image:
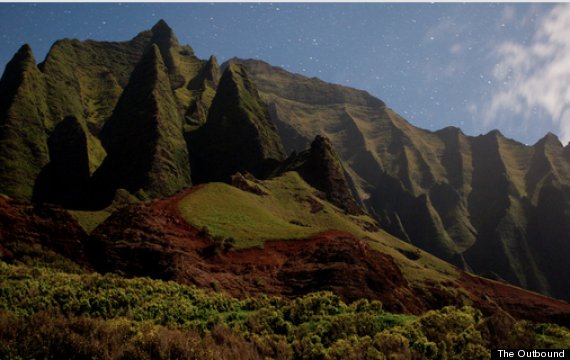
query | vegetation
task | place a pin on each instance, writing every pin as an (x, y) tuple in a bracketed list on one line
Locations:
[(49, 314), (89, 220), (290, 210)]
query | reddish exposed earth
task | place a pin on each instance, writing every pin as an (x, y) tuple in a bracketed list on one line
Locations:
[(152, 239), (26, 229)]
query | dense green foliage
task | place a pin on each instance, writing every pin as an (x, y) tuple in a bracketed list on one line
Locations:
[(46, 313)]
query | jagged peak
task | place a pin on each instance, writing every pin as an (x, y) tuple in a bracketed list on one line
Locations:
[(24, 56), (149, 73), (549, 138), (322, 142), (150, 64), (236, 78), (26, 49), (451, 130), (163, 36), (212, 72), (161, 24), (213, 69), (235, 68), (161, 28), (213, 60), (323, 170), (170, 49), (236, 73), (494, 133)]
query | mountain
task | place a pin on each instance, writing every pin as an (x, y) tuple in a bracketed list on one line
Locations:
[(479, 202), (23, 112), (82, 79), (238, 134), (321, 167), (140, 159), (144, 137)]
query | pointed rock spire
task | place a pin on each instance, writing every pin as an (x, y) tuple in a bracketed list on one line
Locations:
[(204, 85), (165, 39), (143, 138), (25, 56), (239, 134), (321, 167), (23, 148), (163, 36), (212, 72), (549, 139), (23, 61)]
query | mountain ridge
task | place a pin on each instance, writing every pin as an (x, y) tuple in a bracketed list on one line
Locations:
[(460, 197), (461, 186)]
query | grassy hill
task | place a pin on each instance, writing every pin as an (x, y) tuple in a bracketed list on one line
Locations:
[(288, 208)]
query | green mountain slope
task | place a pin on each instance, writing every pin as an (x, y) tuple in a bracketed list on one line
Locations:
[(23, 113)]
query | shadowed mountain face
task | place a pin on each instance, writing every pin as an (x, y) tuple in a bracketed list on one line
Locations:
[(486, 203), (238, 135), (144, 116), (65, 179), (144, 138), (321, 167)]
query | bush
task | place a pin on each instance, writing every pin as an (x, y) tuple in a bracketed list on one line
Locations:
[(49, 314)]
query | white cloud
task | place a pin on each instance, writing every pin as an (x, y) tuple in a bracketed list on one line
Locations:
[(535, 76)]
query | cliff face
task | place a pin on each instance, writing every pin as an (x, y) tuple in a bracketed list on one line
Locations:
[(65, 179), (144, 138), (321, 167), (23, 112), (474, 201), (239, 134)]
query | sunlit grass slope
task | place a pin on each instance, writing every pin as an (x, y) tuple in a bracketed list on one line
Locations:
[(289, 210)]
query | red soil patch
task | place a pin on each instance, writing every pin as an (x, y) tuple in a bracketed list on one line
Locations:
[(24, 226), (332, 260)]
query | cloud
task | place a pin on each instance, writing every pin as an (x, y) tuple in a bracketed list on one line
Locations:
[(534, 78)]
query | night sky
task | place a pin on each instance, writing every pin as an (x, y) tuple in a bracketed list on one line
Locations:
[(474, 66)]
